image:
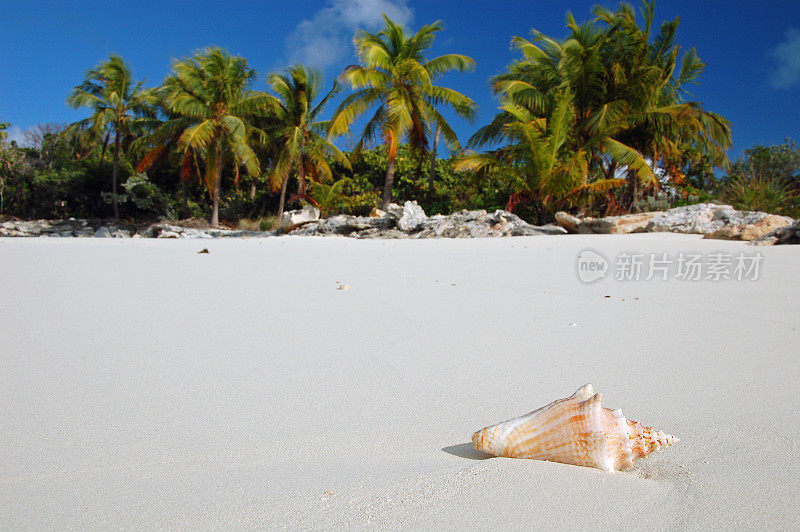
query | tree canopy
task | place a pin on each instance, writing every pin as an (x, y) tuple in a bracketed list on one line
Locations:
[(599, 120), (396, 79), (597, 110)]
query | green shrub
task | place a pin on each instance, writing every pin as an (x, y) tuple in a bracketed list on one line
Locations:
[(767, 195), (265, 223), (144, 195)]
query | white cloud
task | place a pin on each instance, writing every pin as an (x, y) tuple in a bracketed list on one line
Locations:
[(788, 55), (326, 37), (18, 134)]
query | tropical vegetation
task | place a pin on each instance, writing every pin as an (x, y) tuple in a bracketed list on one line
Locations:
[(120, 109), (211, 110), (599, 121), (396, 78), (296, 134), (603, 109)]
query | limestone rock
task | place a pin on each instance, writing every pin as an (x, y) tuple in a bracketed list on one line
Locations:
[(708, 219), (751, 231), (412, 218), (344, 225), (103, 232), (788, 234), (395, 210), (722, 221), (480, 224), (291, 220), (175, 231), (380, 233), (569, 222), (617, 225)]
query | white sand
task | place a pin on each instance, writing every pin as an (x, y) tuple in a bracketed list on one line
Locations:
[(144, 385)]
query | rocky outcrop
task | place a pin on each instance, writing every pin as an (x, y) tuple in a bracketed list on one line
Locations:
[(395, 210), (412, 218), (480, 224), (717, 221), (71, 227), (291, 220), (167, 230), (410, 221), (344, 225), (753, 230), (708, 219), (788, 234), (569, 222), (618, 225)]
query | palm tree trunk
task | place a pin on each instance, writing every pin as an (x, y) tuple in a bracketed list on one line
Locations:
[(301, 177), (633, 191), (253, 189), (387, 186), (217, 186), (281, 204), (434, 154), (105, 146), (184, 198), (114, 176)]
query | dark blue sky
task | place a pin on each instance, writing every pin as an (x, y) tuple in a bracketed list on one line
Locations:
[(752, 48)]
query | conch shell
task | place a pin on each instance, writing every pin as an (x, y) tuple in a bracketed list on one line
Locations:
[(577, 431)]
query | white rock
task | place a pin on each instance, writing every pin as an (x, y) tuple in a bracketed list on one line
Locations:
[(395, 210), (412, 218), (293, 219)]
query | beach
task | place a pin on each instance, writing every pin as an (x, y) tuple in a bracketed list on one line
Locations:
[(305, 382)]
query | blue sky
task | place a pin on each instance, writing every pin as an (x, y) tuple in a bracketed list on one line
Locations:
[(752, 48)]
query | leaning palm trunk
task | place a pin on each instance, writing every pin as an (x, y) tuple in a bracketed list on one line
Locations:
[(281, 205), (434, 154), (387, 186), (114, 174), (105, 147), (217, 185), (634, 192), (301, 178)]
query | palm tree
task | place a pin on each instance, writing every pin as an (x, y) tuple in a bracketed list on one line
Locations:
[(396, 77), (615, 83), (295, 133), (540, 153), (661, 123), (547, 98), (120, 107), (211, 112)]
